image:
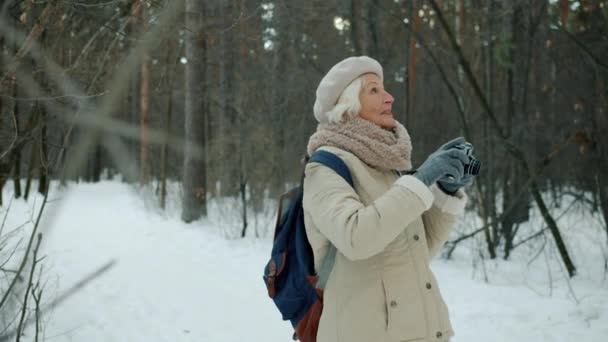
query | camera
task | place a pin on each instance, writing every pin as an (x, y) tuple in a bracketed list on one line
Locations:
[(474, 165)]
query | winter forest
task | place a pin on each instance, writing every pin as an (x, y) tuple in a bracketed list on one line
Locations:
[(144, 145)]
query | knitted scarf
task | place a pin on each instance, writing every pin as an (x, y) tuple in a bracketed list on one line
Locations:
[(379, 148)]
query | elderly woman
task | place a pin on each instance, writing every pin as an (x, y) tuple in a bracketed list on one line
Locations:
[(387, 228)]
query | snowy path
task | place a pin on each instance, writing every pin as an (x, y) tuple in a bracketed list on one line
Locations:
[(176, 282)]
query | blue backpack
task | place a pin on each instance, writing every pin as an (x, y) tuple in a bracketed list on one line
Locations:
[(290, 274)]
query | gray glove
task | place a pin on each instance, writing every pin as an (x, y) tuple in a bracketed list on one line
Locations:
[(442, 163), (451, 185), (452, 143)]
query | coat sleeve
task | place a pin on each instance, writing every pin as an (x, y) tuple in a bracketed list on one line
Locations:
[(439, 220), (359, 231)]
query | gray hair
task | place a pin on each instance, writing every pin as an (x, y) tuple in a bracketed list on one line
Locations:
[(348, 105)]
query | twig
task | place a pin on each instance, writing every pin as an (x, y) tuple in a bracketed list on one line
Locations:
[(10, 322), (37, 300), (12, 144), (46, 15), (27, 251), (545, 228), (101, 4), (566, 276), (483, 267), (85, 49), (12, 253), (420, 39), (8, 208), (512, 148), (28, 289), (7, 270), (467, 69), (542, 247), (583, 47), (535, 235), (549, 271), (65, 295), (52, 98)]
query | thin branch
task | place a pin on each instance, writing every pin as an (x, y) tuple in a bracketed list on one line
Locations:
[(14, 142), (47, 14), (101, 4), (467, 69), (10, 256), (581, 45), (524, 188), (512, 148), (540, 250), (65, 295), (53, 98), (37, 298), (533, 236), (20, 326), (27, 251), (545, 228), (7, 270), (8, 209)]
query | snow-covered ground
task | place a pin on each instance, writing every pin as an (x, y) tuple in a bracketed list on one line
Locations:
[(172, 281)]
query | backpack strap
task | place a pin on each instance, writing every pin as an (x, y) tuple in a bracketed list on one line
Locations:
[(335, 163)]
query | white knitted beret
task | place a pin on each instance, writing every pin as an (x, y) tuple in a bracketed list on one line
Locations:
[(338, 78)]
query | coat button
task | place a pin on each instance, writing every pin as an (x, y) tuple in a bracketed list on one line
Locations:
[(428, 286), (439, 334), (416, 237), (393, 304)]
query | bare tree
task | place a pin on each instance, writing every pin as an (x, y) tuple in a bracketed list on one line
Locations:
[(194, 187)]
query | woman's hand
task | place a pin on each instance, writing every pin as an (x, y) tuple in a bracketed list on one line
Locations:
[(451, 185), (443, 163), (452, 143)]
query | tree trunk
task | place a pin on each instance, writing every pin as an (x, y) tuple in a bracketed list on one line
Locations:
[(411, 66), (241, 102), (48, 14), (16, 152), (34, 157), (144, 104), (600, 152), (17, 172), (372, 28), (243, 191), (43, 160), (194, 200), (224, 72), (2, 113), (488, 177), (96, 164), (359, 29), (603, 194), (134, 28), (409, 38), (279, 96), (512, 149), (30, 172), (561, 247), (165, 147)]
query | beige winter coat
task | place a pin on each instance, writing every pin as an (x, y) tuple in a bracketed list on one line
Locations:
[(386, 230)]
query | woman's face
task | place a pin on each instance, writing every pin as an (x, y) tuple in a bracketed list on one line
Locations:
[(376, 103)]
